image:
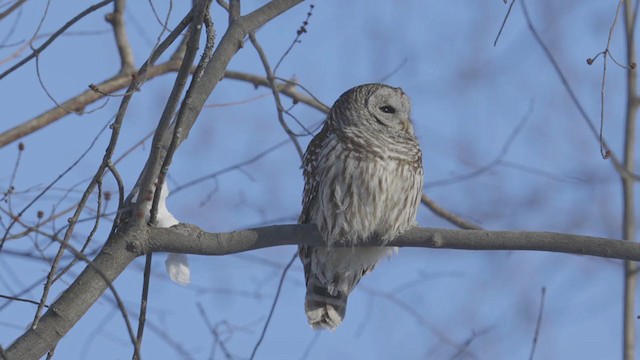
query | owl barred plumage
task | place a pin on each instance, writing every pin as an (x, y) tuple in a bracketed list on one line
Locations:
[(363, 179)]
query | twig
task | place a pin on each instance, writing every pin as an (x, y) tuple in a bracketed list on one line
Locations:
[(11, 30), (504, 22), (394, 71), (73, 165), (85, 197), (239, 102), (273, 305), (605, 54), (79, 102), (447, 215), (55, 35), (157, 16), (213, 331), (538, 323), (296, 40), (616, 163), (490, 165), (11, 187), (120, 183), (96, 224), (40, 23), (49, 95), (310, 346), (142, 316), (286, 89), (15, 298), (276, 94), (229, 168), (417, 316), (467, 343)]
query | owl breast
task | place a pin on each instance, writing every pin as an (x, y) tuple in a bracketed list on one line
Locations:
[(361, 196)]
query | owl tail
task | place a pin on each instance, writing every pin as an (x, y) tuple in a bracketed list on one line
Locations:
[(325, 310)]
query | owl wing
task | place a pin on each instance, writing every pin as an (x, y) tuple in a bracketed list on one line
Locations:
[(311, 185)]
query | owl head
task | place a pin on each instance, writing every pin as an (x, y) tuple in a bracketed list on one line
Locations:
[(375, 107)]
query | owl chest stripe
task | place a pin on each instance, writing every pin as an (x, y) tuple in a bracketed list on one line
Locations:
[(361, 197)]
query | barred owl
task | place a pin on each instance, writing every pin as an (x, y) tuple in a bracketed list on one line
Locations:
[(363, 179)]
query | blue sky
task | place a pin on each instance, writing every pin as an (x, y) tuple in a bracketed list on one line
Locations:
[(468, 96)]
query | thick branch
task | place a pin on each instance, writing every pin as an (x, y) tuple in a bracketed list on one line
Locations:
[(190, 239), (230, 43), (70, 307)]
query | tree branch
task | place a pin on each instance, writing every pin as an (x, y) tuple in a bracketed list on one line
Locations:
[(11, 8), (628, 184), (116, 19), (189, 239), (96, 92), (230, 43), (55, 35), (285, 88)]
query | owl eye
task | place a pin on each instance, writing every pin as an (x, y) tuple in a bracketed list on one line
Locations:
[(388, 109)]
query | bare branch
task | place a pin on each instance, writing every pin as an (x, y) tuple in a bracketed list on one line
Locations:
[(79, 102), (121, 81), (296, 40), (142, 317), (11, 9), (628, 191), (159, 153), (19, 299), (490, 165), (116, 19), (55, 35), (276, 94), (286, 89), (614, 159), (447, 215), (273, 305), (213, 331), (228, 46), (189, 239), (605, 54), (504, 21), (538, 324)]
